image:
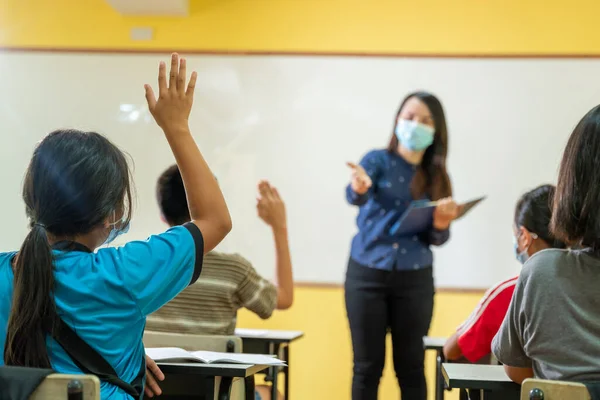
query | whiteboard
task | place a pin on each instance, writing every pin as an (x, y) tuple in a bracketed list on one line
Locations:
[(296, 120)]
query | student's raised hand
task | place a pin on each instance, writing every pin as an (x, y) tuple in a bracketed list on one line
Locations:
[(361, 181), (153, 374), (172, 109), (270, 206), (445, 212)]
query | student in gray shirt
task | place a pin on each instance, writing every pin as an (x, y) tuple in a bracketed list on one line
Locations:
[(552, 328)]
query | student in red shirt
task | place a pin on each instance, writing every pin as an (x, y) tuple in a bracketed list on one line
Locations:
[(473, 339)]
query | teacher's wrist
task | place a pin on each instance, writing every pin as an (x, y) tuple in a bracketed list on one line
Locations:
[(441, 226)]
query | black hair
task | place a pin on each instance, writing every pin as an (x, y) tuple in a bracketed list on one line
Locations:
[(171, 197), (534, 212), (431, 177), (74, 183), (576, 218)]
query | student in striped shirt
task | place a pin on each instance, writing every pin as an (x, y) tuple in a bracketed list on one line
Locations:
[(473, 339), (228, 281)]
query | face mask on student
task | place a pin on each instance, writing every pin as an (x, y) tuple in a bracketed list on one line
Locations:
[(116, 232), (413, 135), (522, 256)]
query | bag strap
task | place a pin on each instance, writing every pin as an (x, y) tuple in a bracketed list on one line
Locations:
[(88, 360)]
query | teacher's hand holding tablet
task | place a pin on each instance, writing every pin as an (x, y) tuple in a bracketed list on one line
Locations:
[(445, 212), (361, 181)]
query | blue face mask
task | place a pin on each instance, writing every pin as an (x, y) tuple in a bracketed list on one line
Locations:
[(115, 233), (413, 135), (522, 256)]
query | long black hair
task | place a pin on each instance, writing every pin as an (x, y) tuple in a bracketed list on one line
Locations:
[(534, 212), (576, 218), (431, 177), (74, 183)]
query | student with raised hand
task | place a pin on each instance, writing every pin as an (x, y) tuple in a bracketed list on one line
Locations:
[(531, 230), (552, 326), (228, 281), (59, 297)]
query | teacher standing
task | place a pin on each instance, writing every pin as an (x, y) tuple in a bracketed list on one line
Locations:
[(389, 282)]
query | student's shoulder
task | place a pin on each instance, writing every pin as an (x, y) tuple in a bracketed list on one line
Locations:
[(232, 260), (6, 271), (6, 259), (543, 265), (502, 287)]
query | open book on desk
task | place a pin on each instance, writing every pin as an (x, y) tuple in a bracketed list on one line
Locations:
[(418, 215), (175, 354)]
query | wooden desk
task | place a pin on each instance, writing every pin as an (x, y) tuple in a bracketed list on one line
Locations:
[(437, 344), (490, 380), (198, 381), (262, 341)]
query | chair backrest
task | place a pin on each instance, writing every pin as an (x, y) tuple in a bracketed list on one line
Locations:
[(59, 387), (538, 389), (229, 344)]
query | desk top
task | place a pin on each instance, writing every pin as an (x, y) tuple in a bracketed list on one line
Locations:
[(228, 370), (476, 376), (433, 342), (268, 335)]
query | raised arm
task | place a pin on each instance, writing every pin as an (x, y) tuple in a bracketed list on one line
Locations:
[(271, 209), (171, 111)]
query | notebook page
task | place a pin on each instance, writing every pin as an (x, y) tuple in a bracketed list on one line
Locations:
[(237, 358)]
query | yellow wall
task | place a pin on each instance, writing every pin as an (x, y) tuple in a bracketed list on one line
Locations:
[(321, 362), (372, 26)]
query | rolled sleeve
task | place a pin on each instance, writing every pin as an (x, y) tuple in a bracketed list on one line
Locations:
[(438, 238)]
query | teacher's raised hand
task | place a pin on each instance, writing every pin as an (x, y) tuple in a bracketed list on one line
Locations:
[(361, 181), (445, 212)]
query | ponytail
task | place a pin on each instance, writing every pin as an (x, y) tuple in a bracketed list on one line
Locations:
[(33, 310)]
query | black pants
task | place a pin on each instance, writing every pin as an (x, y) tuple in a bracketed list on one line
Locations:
[(400, 302)]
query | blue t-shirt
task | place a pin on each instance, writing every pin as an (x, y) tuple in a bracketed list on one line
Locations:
[(105, 296), (388, 198)]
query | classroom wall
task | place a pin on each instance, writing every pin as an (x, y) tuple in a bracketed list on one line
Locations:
[(352, 26), (322, 360)]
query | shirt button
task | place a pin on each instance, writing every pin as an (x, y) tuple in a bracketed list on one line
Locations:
[(415, 238), (403, 251), (395, 245), (401, 179), (398, 202), (416, 266)]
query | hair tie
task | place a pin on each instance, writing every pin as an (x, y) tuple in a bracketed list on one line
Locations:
[(40, 225)]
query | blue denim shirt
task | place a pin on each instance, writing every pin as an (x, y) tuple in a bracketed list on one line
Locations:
[(374, 246)]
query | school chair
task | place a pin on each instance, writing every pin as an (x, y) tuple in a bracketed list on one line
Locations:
[(68, 387), (540, 389), (241, 390), (44, 384)]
